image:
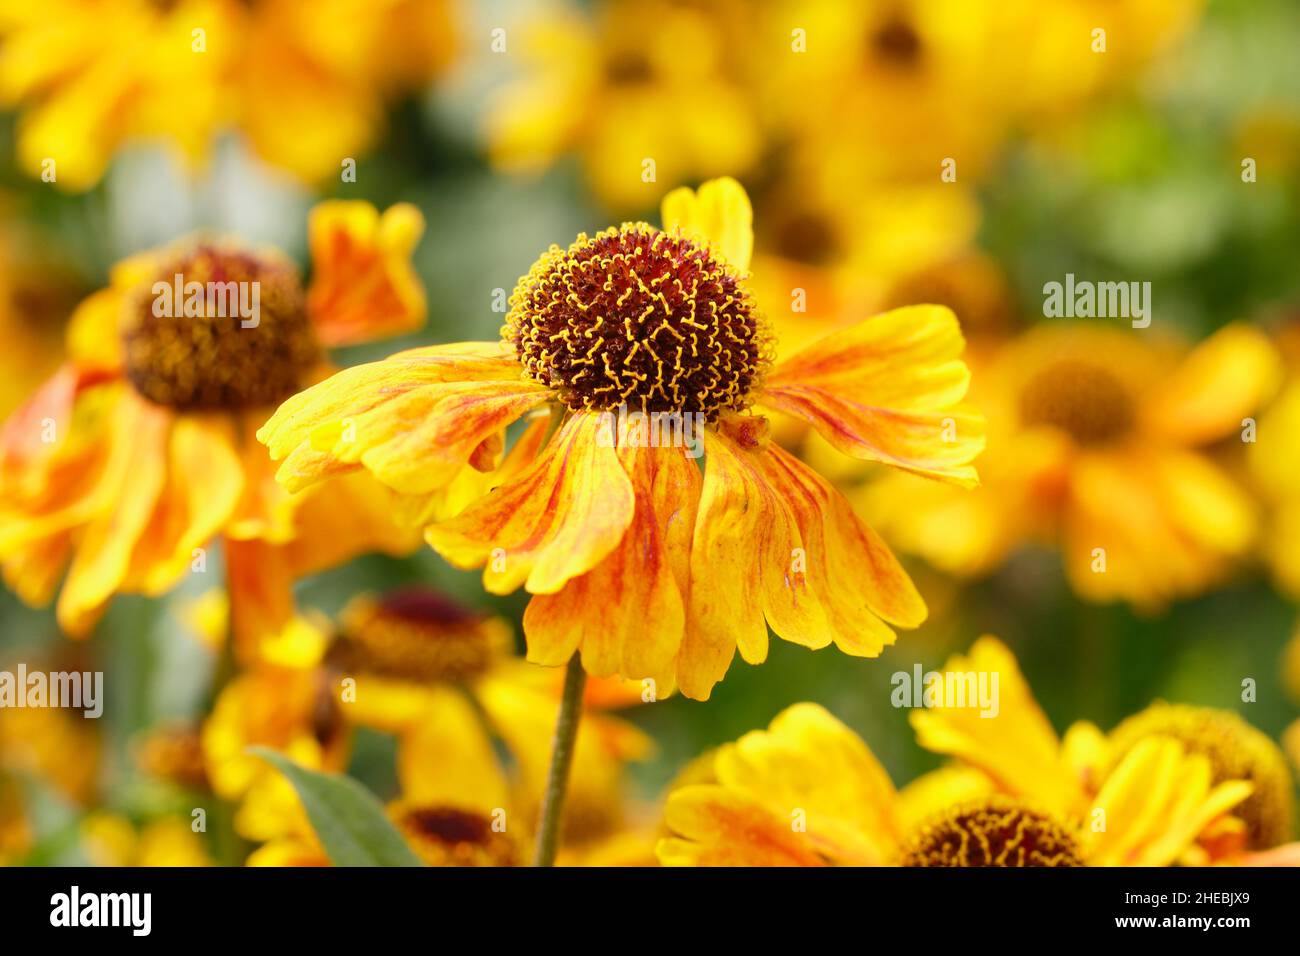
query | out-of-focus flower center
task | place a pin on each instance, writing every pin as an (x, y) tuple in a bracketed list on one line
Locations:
[(641, 317), (992, 831), (449, 836), (419, 636), (219, 328), (896, 42), (1236, 751), (1085, 400)]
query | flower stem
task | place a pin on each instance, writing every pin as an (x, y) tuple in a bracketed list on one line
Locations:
[(566, 733)]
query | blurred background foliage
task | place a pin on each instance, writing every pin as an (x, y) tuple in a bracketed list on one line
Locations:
[(1139, 179)]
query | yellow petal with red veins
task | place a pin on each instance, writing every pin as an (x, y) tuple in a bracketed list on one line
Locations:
[(556, 521), (886, 389), (363, 285), (720, 213), (810, 769), (1223, 380), (1015, 745), (604, 613), (414, 419), (716, 827)]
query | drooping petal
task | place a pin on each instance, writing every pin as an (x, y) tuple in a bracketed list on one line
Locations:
[(447, 757), (363, 285), (203, 483), (627, 615), (887, 389), (718, 212), (556, 521), (132, 480)]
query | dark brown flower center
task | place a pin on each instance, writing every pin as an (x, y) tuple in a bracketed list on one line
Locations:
[(641, 317), (993, 831), (219, 328), (1085, 400), (896, 42), (448, 836)]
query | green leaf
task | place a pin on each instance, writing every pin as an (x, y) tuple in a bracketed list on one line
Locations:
[(347, 818)]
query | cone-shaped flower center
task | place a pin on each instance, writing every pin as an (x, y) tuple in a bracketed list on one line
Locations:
[(638, 317), (993, 831), (1236, 751), (219, 328), (1083, 399), (417, 635)]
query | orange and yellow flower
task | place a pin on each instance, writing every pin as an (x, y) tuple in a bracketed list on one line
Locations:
[(612, 531), (1099, 446), (92, 76), (138, 452)]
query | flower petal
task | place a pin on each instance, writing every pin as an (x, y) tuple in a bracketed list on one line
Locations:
[(886, 389), (716, 827), (1016, 746), (604, 612), (556, 521), (720, 213), (363, 285)]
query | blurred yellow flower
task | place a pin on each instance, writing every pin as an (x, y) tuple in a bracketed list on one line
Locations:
[(1096, 446), (110, 839), (306, 83), (138, 452), (634, 83), (1274, 461), (609, 532)]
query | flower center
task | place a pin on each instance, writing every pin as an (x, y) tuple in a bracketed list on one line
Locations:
[(640, 317), (896, 42), (1086, 401), (1236, 751), (448, 836), (219, 328), (418, 635), (992, 831)]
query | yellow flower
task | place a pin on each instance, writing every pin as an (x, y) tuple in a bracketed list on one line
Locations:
[(138, 453), (652, 81), (1096, 448), (306, 83), (1273, 461), (809, 792), (608, 531), (1161, 781)]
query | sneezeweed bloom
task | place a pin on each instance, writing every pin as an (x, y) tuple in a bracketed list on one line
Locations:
[(647, 567), (138, 453), (1101, 447), (1202, 772), (809, 792), (306, 91), (648, 81)]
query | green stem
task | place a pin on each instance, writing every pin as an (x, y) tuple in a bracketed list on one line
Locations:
[(566, 734)]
